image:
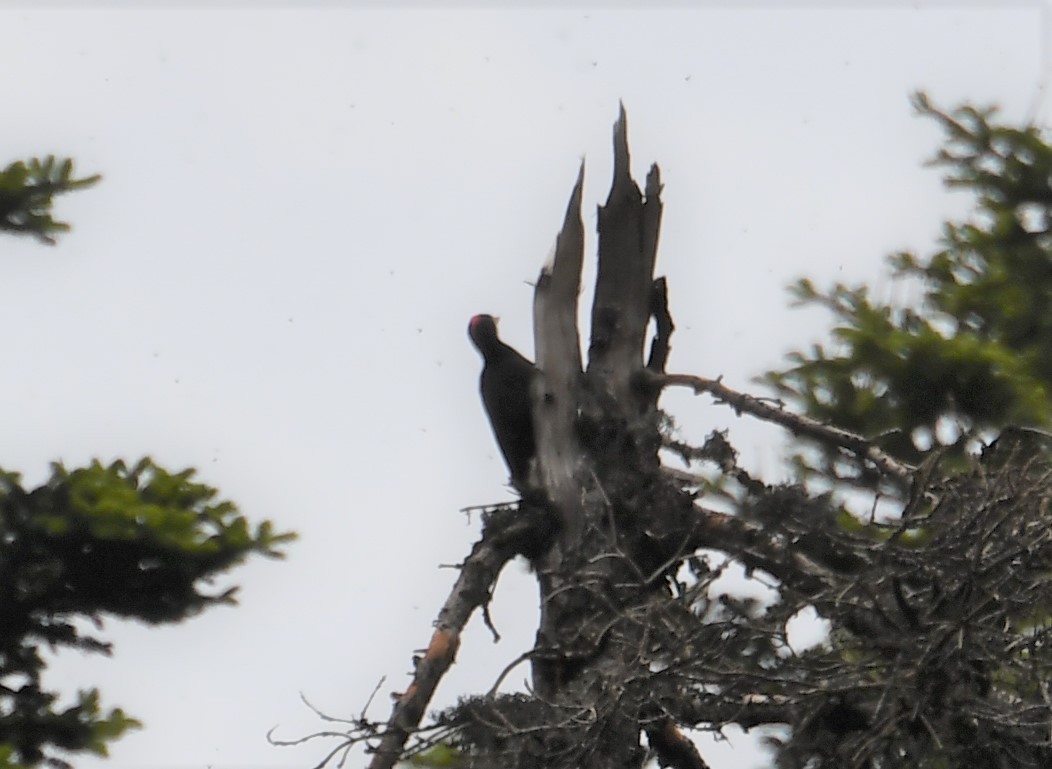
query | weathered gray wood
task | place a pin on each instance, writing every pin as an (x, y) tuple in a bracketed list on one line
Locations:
[(596, 464), (558, 357), (628, 238)]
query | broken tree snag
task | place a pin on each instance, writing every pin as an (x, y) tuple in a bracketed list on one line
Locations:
[(556, 399), (628, 238), (601, 578), (652, 209), (558, 357)]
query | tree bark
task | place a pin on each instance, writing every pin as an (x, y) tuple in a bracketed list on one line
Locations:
[(558, 358), (628, 236), (597, 465)]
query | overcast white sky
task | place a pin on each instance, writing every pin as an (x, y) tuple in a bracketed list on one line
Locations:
[(300, 212)]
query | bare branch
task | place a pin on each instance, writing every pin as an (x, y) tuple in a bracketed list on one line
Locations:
[(659, 346), (478, 573), (798, 424), (673, 748)]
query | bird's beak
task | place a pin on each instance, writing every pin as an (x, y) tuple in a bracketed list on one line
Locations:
[(496, 319)]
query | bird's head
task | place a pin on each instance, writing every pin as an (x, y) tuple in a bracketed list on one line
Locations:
[(483, 331)]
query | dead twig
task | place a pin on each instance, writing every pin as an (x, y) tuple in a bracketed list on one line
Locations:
[(798, 424), (472, 589)]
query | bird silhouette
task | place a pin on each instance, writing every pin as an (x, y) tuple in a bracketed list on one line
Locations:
[(505, 388)]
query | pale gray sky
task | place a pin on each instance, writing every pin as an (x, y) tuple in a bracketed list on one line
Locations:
[(301, 210)]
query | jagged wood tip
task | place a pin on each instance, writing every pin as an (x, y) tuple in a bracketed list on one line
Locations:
[(573, 207), (622, 158), (654, 186)]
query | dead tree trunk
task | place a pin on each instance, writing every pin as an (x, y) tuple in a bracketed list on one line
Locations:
[(940, 618), (624, 650), (618, 653), (618, 527), (597, 463)]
